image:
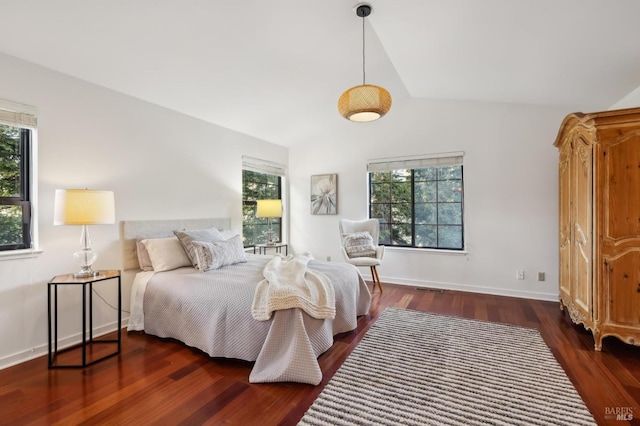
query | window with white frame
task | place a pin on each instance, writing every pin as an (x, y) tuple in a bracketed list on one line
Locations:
[(17, 128), (261, 180), (419, 201)]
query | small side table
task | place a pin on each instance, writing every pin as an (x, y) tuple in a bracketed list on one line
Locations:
[(87, 288), (262, 248)]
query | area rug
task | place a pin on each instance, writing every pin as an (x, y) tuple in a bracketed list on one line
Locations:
[(416, 368)]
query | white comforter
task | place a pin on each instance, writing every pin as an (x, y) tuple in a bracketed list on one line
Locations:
[(212, 312)]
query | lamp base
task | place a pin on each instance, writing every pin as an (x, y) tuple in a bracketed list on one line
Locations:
[(86, 256), (86, 273), (270, 237)]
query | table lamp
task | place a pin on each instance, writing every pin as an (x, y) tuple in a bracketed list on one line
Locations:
[(269, 209), (84, 207)]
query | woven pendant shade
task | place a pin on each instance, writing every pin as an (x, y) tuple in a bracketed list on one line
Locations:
[(364, 103)]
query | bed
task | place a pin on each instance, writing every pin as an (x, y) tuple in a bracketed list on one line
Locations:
[(212, 310)]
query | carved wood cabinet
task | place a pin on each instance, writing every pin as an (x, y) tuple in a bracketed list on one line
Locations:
[(599, 203)]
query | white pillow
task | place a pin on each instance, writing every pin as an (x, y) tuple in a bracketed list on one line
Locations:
[(229, 233), (166, 253), (222, 253)]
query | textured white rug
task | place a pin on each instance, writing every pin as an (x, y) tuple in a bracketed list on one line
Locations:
[(415, 368)]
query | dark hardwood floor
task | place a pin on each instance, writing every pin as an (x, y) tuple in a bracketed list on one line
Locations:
[(155, 381)]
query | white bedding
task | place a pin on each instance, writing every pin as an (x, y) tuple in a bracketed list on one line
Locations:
[(136, 317), (212, 312), (289, 283)]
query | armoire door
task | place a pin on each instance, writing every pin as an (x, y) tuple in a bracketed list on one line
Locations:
[(620, 223), (565, 220), (582, 241)]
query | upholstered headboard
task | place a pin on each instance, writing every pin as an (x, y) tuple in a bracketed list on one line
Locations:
[(130, 230)]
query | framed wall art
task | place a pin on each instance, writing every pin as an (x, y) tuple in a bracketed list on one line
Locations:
[(324, 194)]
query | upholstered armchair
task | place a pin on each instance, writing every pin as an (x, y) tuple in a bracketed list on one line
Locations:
[(360, 245)]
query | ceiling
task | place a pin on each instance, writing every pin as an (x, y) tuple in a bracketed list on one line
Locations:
[(275, 69)]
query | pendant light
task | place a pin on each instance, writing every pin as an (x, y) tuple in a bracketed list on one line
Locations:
[(365, 102)]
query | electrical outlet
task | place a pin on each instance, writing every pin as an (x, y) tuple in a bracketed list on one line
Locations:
[(541, 276), (520, 274)]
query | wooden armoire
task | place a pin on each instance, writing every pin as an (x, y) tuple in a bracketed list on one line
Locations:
[(600, 222)]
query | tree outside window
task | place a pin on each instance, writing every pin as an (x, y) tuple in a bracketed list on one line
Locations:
[(419, 207), (15, 207), (258, 186)]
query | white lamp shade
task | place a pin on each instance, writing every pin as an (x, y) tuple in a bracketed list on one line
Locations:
[(83, 207), (269, 208)]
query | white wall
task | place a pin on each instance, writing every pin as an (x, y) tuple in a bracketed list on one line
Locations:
[(160, 164), (632, 100), (510, 182)]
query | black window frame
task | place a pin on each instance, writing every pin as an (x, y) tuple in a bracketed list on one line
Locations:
[(23, 199), (249, 206), (387, 228)]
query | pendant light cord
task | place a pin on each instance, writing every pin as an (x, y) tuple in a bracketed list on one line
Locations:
[(363, 71)]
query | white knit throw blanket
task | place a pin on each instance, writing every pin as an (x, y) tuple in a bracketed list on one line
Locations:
[(290, 284)]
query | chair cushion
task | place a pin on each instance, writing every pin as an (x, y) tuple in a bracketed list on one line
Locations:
[(359, 244), (364, 261)]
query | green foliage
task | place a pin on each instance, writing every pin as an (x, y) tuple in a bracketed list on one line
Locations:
[(10, 215), (9, 161), (10, 225), (419, 207), (258, 186)]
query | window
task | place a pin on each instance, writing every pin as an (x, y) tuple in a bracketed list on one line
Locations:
[(261, 180), (16, 128), (419, 201)]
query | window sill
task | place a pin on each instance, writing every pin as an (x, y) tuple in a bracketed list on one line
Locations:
[(428, 250), (19, 254)]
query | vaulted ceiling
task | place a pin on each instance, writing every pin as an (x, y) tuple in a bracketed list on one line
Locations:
[(275, 69)]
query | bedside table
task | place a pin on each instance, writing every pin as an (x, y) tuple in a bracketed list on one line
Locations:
[(262, 248), (86, 285)]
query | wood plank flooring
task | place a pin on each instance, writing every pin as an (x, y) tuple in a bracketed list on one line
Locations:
[(156, 381)]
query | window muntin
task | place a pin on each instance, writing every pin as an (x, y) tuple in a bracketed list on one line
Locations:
[(259, 186), (15, 203), (419, 207)]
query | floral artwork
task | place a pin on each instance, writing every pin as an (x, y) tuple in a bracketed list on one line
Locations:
[(324, 194)]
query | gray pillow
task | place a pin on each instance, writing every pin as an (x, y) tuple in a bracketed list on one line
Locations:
[(216, 255), (209, 235), (359, 244), (143, 255)]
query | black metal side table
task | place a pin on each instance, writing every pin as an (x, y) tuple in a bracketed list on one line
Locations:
[(87, 305)]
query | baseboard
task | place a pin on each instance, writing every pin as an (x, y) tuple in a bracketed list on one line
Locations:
[(43, 350), (470, 289)]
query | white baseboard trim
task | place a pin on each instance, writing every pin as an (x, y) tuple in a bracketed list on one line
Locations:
[(43, 350), (470, 289)]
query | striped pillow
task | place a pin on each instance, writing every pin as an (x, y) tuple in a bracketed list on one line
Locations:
[(208, 235), (221, 253), (359, 244)]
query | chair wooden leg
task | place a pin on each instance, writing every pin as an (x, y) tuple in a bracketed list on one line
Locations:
[(373, 278), (376, 278)]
